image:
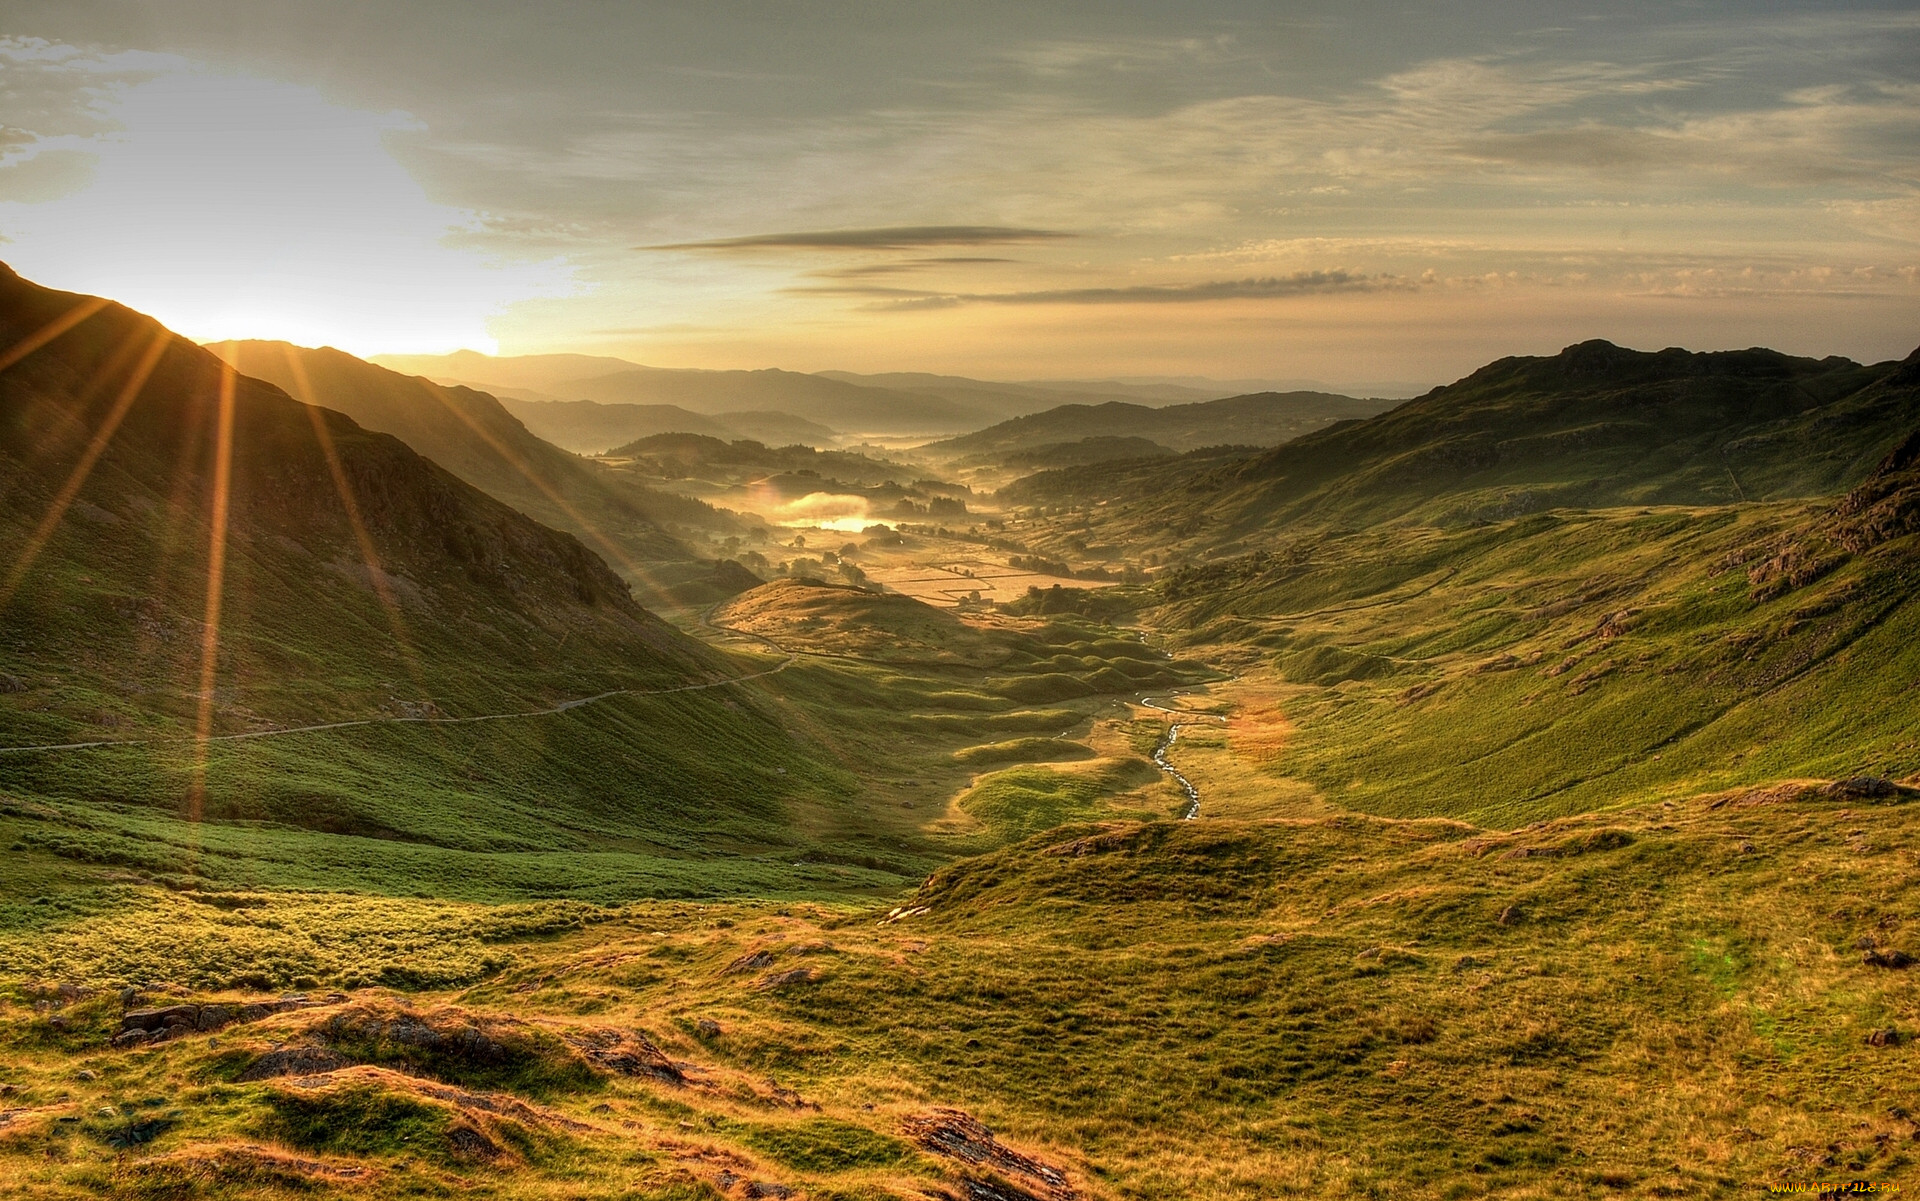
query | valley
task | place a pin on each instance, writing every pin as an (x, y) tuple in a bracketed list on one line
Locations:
[(1506, 793)]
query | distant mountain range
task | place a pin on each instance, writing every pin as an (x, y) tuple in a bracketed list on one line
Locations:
[(588, 427), (1263, 419), (745, 403)]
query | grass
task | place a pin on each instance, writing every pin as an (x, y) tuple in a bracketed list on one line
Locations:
[(1349, 1006)]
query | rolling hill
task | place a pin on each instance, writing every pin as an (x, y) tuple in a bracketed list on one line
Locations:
[(819, 399)]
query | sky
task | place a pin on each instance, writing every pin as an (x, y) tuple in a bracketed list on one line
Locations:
[(1352, 192)]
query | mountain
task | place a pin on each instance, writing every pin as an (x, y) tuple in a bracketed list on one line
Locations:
[(474, 436), (1595, 425), (404, 678), (589, 427), (997, 401), (1261, 419)]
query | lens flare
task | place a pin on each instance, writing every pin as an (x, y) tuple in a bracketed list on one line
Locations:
[(219, 508)]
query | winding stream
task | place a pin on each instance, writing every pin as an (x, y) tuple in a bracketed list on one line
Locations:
[(1166, 744)]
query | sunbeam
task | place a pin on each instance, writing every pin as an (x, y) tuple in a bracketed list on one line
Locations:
[(218, 509), (81, 470), (51, 330)]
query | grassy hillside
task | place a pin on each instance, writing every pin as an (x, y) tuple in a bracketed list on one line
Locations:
[(1593, 426), (1560, 849), (472, 435), (1659, 1003)]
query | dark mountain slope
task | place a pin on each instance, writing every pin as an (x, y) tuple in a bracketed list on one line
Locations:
[(1262, 419), (356, 580), (472, 435)]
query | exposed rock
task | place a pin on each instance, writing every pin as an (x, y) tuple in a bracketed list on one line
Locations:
[(173, 1021), (957, 1135), (799, 975), (1888, 1037), (991, 1190), (708, 1028), (626, 1053), (1509, 915), (469, 1143), (1887, 958), (1861, 788), (757, 1188), (752, 961), (293, 1061)]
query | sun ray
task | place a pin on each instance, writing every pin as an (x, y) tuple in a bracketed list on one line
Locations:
[(69, 423), (218, 509), (51, 330), (81, 470)]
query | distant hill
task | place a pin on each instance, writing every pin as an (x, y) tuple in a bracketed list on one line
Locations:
[(820, 399), (830, 402), (475, 436), (1263, 419), (589, 427), (1106, 449), (997, 400), (532, 372)]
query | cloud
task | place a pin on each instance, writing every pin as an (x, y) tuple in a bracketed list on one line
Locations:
[(1300, 283), (895, 237), (904, 266)]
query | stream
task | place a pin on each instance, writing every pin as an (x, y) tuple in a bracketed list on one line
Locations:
[(1166, 744)]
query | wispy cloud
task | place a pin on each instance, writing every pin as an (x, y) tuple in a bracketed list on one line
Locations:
[(894, 237), (1301, 283)]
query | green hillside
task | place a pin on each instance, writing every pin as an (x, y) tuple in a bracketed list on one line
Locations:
[(1593, 426)]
